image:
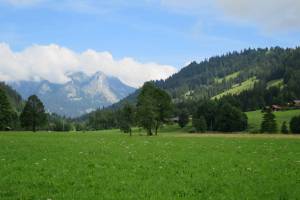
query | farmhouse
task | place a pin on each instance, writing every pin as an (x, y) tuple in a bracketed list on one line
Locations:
[(276, 108), (296, 103)]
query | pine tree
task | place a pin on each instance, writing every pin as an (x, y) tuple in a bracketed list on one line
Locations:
[(268, 124), (7, 115), (33, 114), (284, 128)]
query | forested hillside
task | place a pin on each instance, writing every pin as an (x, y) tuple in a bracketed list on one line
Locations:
[(221, 73), (14, 98), (256, 77)]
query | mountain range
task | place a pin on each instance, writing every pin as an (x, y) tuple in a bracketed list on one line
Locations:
[(80, 95)]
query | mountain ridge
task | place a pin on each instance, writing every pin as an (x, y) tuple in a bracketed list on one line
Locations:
[(80, 95)]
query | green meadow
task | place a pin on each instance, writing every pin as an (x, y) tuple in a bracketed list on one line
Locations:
[(112, 165)]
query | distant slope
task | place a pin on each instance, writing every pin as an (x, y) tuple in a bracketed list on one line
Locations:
[(219, 74), (255, 118)]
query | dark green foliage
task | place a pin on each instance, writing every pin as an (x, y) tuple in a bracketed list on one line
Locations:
[(199, 123), (221, 116), (127, 116), (153, 107), (208, 109), (14, 98), (268, 124), (146, 116), (8, 117), (230, 119), (102, 119), (183, 118), (79, 126), (284, 128), (295, 125), (59, 124), (33, 115)]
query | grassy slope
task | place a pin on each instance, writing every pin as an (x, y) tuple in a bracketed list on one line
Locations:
[(255, 118), (115, 166), (228, 77), (236, 89), (275, 83)]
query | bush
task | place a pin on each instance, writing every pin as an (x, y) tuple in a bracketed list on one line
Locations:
[(295, 125)]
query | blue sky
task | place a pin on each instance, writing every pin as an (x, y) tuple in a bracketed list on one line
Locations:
[(168, 32)]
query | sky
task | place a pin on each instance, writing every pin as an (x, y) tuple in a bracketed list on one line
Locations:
[(134, 40)]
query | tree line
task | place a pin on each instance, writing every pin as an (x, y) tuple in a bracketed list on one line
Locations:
[(269, 124), (32, 117), (154, 108)]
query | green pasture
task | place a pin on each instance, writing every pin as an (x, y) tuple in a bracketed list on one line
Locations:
[(112, 165)]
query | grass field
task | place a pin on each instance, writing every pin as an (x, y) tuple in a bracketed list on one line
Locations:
[(110, 165), (255, 118)]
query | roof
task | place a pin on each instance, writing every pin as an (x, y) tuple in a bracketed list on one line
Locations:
[(275, 106)]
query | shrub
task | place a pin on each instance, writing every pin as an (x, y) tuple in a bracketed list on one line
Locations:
[(295, 125)]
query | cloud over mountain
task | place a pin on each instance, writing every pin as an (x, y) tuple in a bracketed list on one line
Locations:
[(52, 62)]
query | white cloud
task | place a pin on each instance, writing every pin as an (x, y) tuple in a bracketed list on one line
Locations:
[(269, 14), (52, 62)]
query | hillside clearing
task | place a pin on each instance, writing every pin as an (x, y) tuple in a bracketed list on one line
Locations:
[(228, 77), (275, 83), (238, 88)]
